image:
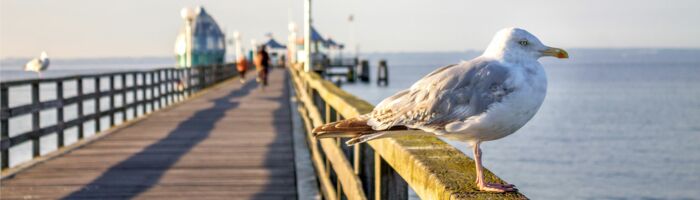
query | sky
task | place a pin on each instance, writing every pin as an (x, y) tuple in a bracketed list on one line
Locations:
[(137, 28)]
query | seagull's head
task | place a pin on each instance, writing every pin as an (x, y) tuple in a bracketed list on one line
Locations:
[(516, 44), (44, 56)]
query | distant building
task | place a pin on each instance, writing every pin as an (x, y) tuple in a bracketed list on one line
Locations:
[(201, 41)]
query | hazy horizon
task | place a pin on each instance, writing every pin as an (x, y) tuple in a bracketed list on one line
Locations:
[(467, 52), (88, 29)]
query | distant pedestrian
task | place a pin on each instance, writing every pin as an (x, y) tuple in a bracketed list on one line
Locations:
[(282, 62), (242, 67), (262, 65)]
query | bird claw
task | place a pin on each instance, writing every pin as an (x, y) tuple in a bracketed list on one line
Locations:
[(496, 187)]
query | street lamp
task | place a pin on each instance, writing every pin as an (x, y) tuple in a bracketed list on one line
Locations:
[(307, 36), (188, 15), (292, 43), (237, 44)]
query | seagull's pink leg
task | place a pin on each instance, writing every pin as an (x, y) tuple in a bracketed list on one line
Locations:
[(483, 186)]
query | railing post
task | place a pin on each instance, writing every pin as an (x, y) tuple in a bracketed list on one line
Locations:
[(201, 74), (135, 98), (111, 101), (164, 83), (159, 85), (97, 104), (214, 76), (185, 76), (189, 81), (152, 86), (124, 106), (5, 122), (59, 113), (219, 72), (182, 76), (367, 170), (79, 105), (222, 72), (176, 79), (36, 145), (172, 82), (180, 91), (144, 88), (388, 184), (156, 88), (168, 86)]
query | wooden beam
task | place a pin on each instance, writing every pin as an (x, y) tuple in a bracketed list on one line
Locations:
[(36, 141)]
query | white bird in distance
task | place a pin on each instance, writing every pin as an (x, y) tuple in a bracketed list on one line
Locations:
[(38, 64)]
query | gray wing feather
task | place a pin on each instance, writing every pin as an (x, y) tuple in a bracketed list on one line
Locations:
[(451, 93)]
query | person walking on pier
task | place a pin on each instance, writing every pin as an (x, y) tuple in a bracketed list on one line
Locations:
[(262, 65), (241, 66)]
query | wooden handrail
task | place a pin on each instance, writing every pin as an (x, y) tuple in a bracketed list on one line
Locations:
[(158, 89), (384, 168)]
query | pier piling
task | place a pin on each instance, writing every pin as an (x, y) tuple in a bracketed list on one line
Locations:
[(382, 73)]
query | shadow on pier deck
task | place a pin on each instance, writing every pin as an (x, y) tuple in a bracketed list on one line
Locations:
[(234, 141)]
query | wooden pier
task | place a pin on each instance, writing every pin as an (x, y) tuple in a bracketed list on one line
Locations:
[(219, 139), (232, 141)]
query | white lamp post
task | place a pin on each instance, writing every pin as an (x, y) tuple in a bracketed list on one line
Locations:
[(237, 44), (307, 35), (254, 45), (188, 15), (291, 43)]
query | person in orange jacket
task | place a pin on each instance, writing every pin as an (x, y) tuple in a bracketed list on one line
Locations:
[(242, 67)]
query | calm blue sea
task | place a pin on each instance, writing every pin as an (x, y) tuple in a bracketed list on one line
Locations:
[(616, 123)]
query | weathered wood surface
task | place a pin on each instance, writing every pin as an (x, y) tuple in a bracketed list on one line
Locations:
[(233, 142)]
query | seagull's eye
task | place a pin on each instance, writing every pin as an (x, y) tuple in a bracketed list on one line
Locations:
[(523, 43)]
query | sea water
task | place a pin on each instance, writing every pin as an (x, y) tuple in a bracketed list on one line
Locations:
[(615, 124)]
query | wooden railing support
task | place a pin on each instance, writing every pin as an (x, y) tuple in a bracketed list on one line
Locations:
[(97, 112), (5, 129), (36, 113), (124, 102), (59, 114), (79, 107), (111, 101)]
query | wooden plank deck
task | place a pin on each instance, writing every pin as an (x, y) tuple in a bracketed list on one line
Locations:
[(232, 142)]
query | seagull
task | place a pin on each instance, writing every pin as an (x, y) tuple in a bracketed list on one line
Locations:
[(483, 99), (38, 64)]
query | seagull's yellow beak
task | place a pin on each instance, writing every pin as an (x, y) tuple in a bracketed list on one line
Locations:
[(555, 52)]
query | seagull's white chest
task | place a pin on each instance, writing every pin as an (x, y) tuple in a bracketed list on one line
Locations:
[(513, 111)]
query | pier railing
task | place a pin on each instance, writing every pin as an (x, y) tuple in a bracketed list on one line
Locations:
[(385, 168), (128, 95)]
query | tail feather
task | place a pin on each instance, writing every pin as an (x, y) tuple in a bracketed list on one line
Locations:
[(355, 128)]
